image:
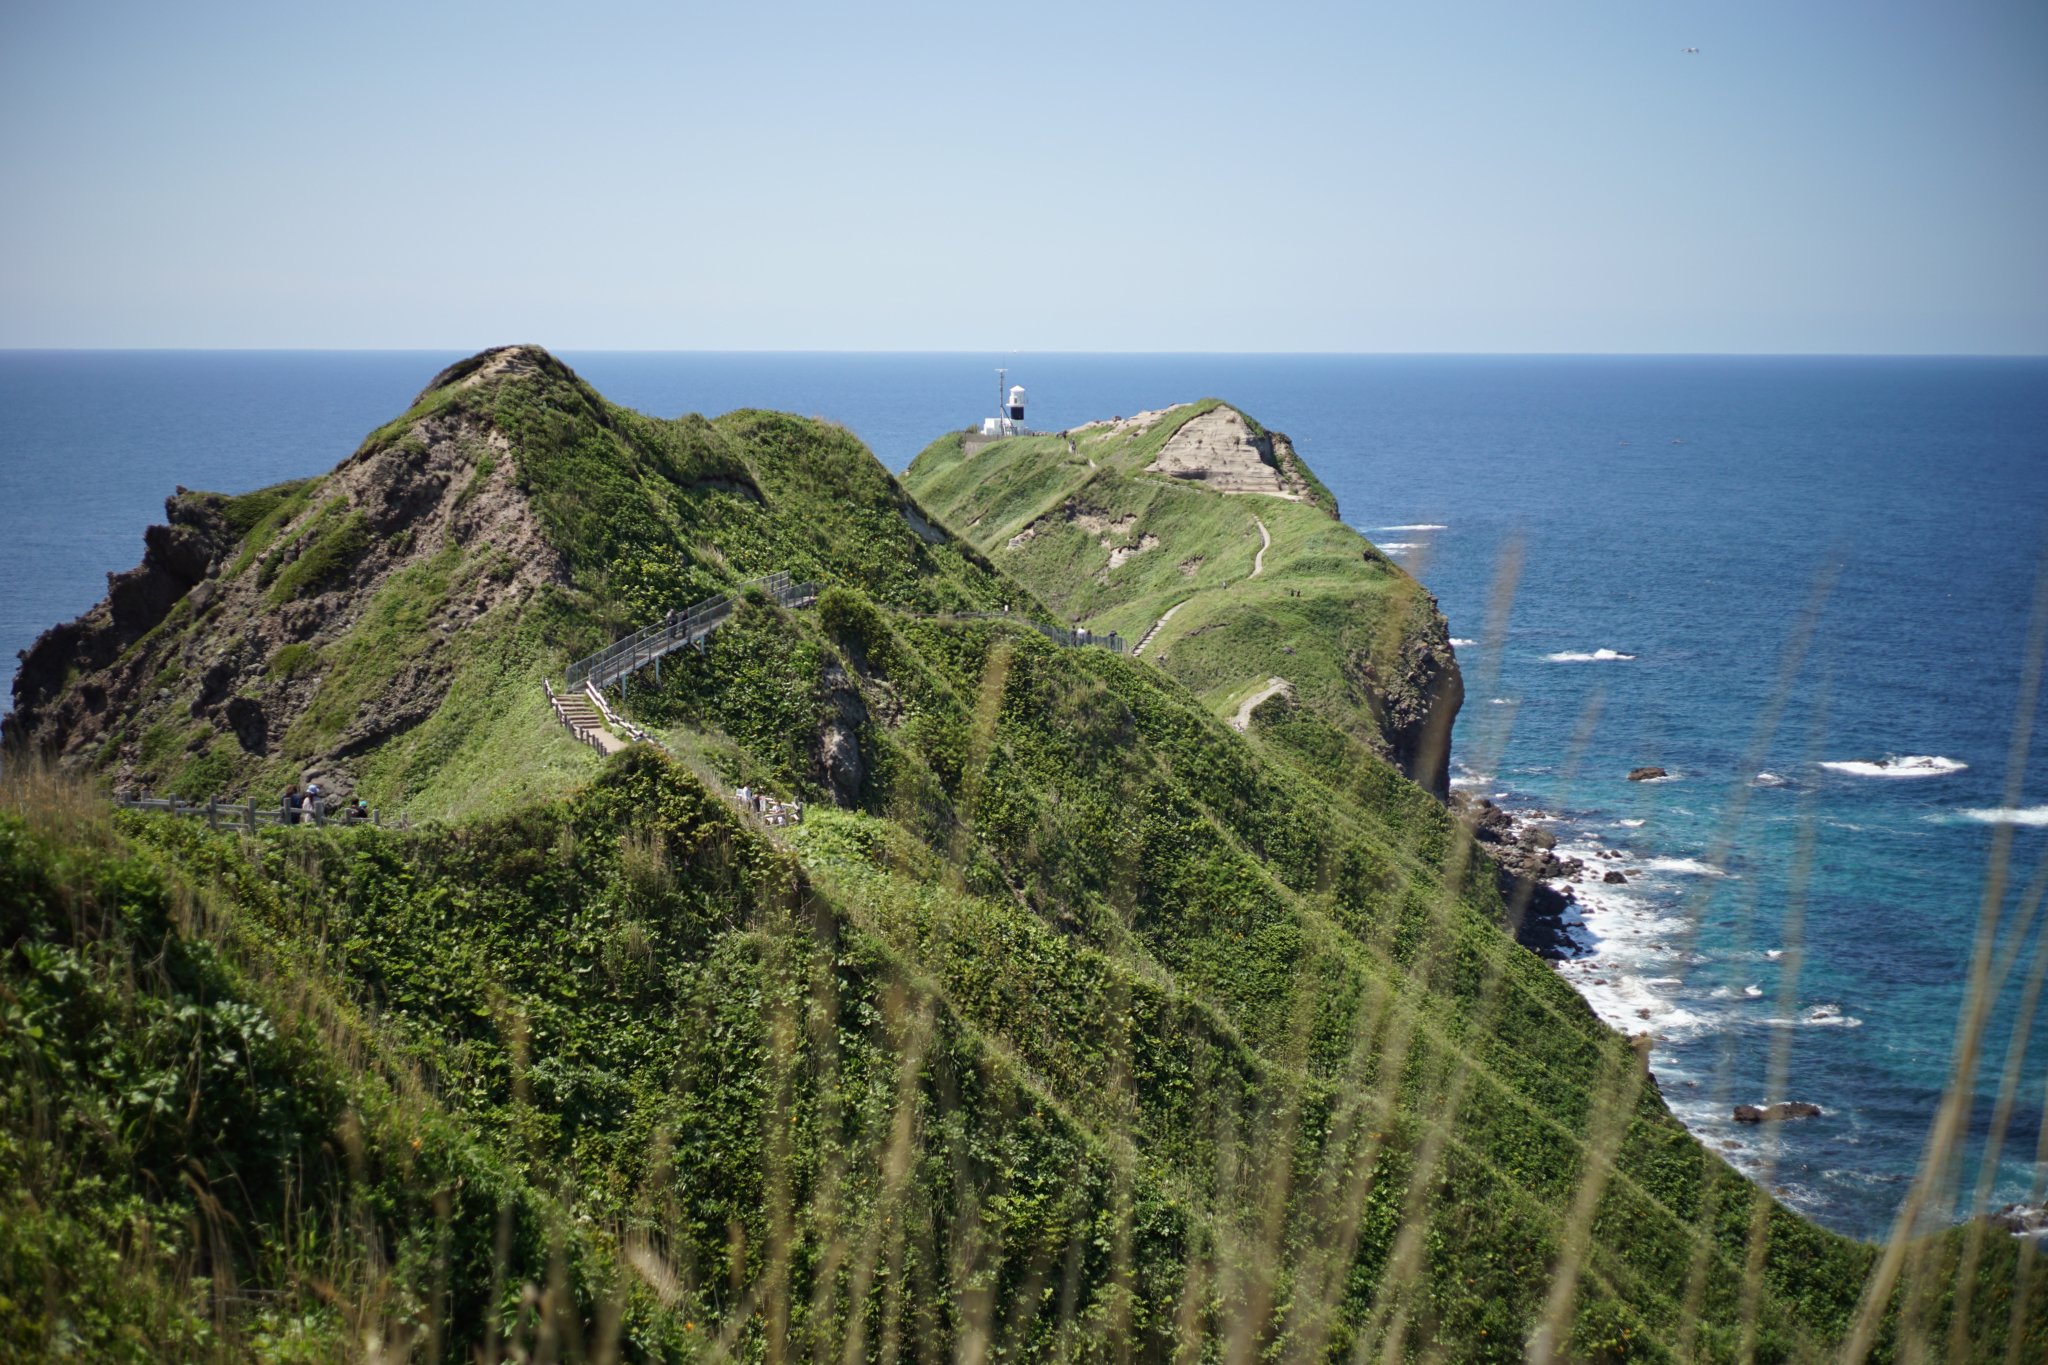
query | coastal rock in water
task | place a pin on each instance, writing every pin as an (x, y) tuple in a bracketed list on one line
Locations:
[(2021, 1220), (1536, 912), (1775, 1113), (1645, 774), (1615, 877)]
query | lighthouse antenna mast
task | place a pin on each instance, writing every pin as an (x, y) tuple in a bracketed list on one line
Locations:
[(1000, 410)]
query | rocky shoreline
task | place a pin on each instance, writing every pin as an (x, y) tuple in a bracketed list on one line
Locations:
[(1539, 913)]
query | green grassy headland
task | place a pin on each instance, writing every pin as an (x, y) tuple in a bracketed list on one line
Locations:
[(1086, 1028)]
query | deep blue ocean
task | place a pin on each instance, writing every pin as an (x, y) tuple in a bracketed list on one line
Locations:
[(1671, 517)]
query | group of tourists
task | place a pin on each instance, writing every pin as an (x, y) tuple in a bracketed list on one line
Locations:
[(312, 806), (777, 813)]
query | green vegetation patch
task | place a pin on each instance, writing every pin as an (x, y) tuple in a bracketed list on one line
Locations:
[(246, 511), (326, 553), (486, 465), (269, 513), (159, 745), (207, 774), (292, 660)]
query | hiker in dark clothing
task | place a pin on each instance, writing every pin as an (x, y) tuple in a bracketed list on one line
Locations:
[(290, 803)]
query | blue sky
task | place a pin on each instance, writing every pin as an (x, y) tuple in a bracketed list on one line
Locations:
[(1472, 175)]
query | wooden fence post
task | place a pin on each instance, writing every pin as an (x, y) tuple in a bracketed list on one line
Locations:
[(252, 814), (213, 812)]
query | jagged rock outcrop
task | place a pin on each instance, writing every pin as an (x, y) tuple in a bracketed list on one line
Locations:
[(1523, 853), (245, 607), (839, 761), (63, 682), (1776, 1113), (1414, 701)]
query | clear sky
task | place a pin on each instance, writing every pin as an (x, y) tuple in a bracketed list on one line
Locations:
[(1462, 175)]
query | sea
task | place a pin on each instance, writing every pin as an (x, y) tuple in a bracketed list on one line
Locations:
[(1801, 586)]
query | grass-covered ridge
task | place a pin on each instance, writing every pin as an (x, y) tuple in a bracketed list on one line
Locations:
[(386, 626), (1072, 1024), (1079, 520)]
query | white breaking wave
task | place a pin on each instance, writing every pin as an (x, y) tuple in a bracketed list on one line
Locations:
[(1910, 765), (1752, 991), (1820, 1016), (1769, 780), (1418, 526), (1631, 824), (1689, 865), (1399, 545), (1456, 643), (2009, 815), (1598, 656)]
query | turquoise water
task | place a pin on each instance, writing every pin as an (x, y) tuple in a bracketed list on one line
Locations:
[(1675, 511)]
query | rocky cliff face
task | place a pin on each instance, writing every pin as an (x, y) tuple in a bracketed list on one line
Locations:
[(218, 656), (1414, 697), (64, 682)]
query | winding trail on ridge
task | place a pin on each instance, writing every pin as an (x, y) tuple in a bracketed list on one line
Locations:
[(1243, 719), (1258, 567), (1139, 648)]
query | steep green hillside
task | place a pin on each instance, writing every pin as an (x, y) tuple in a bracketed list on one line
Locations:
[(385, 627), (1090, 522), (1072, 1023)]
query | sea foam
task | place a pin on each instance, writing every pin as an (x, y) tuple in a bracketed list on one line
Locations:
[(1418, 526), (1456, 643), (1598, 656), (1693, 866), (2009, 815), (1909, 765)]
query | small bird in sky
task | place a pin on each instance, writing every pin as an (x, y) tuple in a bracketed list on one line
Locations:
[(1692, 49)]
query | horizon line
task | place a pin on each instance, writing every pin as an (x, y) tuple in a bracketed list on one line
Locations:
[(971, 351)]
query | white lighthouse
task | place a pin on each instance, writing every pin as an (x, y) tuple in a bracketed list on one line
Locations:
[(1009, 420)]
